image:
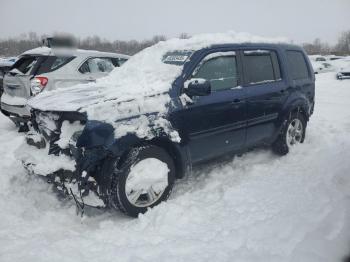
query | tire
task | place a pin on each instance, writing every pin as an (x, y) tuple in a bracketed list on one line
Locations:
[(283, 142), (126, 176)]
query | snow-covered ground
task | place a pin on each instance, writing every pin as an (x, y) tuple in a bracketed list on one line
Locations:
[(258, 207)]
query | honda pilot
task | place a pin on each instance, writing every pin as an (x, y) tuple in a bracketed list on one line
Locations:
[(123, 141)]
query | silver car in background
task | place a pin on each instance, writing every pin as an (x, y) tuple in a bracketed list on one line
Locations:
[(45, 68), (5, 65), (343, 73)]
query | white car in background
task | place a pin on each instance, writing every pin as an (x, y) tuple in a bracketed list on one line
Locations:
[(45, 68), (334, 57), (344, 73), (7, 61), (320, 64), (322, 67), (317, 58), (5, 64)]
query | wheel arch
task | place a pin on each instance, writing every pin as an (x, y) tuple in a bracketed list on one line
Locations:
[(123, 146), (296, 105), (175, 151)]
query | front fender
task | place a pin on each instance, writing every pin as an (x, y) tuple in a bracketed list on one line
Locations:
[(96, 134)]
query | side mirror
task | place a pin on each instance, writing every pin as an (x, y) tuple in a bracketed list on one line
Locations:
[(197, 87)]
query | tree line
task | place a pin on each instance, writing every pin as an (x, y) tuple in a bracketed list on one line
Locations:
[(342, 47), (16, 45)]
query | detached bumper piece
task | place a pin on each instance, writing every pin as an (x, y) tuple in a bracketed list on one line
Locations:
[(68, 184), (70, 170)]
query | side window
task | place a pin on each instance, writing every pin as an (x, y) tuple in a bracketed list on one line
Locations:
[(220, 69), (115, 62), (100, 65), (97, 65), (261, 66), (59, 62), (297, 65), (118, 61), (84, 69), (122, 61)]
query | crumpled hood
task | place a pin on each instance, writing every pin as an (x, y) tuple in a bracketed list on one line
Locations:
[(69, 99)]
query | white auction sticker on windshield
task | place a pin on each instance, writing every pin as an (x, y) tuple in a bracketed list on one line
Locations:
[(176, 58)]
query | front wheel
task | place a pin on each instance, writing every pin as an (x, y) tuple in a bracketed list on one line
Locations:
[(292, 134), (143, 180)]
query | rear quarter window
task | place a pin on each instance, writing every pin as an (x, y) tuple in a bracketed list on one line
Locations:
[(297, 65)]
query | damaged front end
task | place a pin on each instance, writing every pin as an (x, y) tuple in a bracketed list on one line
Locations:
[(62, 148)]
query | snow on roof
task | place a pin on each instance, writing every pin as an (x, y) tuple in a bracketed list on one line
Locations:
[(70, 51), (142, 76)]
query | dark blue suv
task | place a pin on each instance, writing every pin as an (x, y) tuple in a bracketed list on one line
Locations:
[(225, 99)]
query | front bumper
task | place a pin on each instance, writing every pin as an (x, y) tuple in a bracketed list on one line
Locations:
[(62, 171)]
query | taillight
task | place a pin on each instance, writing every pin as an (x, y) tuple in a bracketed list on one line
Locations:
[(37, 84)]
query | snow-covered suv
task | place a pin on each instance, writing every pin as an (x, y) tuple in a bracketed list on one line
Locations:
[(47, 69), (124, 140)]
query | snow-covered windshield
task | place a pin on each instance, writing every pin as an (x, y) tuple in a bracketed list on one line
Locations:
[(178, 57)]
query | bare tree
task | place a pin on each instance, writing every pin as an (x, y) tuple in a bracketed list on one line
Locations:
[(17, 45), (343, 45), (184, 36), (317, 47)]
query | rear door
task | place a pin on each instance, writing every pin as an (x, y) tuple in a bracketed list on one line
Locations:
[(266, 92), (215, 124)]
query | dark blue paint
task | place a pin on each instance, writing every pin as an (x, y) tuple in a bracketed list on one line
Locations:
[(225, 121)]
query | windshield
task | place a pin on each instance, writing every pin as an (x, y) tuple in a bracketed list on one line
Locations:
[(177, 57)]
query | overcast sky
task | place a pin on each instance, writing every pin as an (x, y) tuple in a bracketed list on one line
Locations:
[(298, 20)]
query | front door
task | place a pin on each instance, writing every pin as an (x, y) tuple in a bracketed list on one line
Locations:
[(215, 124)]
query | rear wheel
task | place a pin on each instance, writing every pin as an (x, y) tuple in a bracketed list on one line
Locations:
[(143, 180), (292, 134)]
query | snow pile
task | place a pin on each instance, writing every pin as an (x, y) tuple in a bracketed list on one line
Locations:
[(148, 174), (341, 64), (259, 207), (140, 86), (67, 131), (13, 100), (44, 163), (142, 75)]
